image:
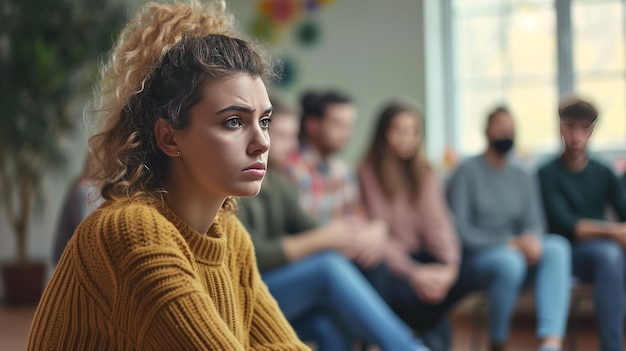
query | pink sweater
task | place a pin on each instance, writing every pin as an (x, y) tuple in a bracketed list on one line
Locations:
[(425, 226)]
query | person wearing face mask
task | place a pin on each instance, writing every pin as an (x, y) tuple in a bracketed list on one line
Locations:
[(577, 189), (498, 218)]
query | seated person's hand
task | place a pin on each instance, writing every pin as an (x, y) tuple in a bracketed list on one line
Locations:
[(620, 234), (368, 246), (531, 247), (432, 281), (339, 234)]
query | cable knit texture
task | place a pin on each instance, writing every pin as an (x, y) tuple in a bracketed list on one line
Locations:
[(136, 277)]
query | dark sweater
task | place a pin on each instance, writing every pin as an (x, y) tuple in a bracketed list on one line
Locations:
[(569, 197), (274, 213)]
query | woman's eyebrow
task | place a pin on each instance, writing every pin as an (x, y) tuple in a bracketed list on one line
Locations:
[(242, 108), (237, 108)]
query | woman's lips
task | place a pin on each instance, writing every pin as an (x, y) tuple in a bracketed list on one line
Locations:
[(256, 170)]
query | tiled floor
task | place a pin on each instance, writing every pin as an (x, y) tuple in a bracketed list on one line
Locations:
[(15, 323)]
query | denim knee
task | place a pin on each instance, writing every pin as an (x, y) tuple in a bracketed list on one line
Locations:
[(332, 264), (556, 247), (608, 255), (510, 267)]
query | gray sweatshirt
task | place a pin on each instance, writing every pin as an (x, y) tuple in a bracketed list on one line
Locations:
[(490, 206)]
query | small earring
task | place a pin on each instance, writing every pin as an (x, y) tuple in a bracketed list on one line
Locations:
[(166, 149), (178, 153)]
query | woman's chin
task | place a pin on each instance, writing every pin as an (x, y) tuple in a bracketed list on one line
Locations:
[(250, 190)]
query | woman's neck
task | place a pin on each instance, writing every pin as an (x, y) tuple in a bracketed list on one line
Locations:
[(197, 211)]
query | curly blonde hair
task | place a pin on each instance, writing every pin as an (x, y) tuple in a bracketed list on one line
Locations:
[(156, 70)]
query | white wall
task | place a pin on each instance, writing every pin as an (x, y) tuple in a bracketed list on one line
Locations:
[(372, 49)]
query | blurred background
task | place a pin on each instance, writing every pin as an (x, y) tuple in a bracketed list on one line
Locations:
[(455, 58)]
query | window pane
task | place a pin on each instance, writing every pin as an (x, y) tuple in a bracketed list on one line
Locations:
[(532, 42), (600, 67), (598, 36), (479, 48), (608, 96), (536, 118), (473, 108), (486, 5), (506, 54)]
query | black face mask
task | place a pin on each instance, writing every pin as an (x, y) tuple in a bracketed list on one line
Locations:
[(502, 146)]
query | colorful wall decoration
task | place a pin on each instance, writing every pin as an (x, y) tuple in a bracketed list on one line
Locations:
[(274, 18), (277, 19)]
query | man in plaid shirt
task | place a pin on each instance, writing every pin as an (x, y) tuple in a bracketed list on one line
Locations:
[(327, 186)]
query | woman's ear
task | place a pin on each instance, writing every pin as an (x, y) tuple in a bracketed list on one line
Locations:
[(164, 135)]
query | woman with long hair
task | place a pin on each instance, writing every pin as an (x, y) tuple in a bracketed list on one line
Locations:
[(164, 264), (399, 186)]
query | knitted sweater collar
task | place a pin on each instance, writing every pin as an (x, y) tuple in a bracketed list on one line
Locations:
[(209, 248)]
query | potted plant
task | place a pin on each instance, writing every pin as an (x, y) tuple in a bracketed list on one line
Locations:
[(48, 50)]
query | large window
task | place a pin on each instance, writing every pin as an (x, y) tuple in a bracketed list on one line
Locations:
[(524, 54)]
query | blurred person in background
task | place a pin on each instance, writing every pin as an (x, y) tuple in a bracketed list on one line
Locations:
[(81, 199), (327, 186), (577, 189), (319, 290), (422, 256), (498, 217)]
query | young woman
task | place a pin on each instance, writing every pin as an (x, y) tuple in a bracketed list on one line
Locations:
[(305, 265), (399, 187), (164, 264)]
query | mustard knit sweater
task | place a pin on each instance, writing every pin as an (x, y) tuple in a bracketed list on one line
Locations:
[(135, 277)]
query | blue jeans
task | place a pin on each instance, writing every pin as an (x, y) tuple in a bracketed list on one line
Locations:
[(601, 262), (327, 300), (502, 271)]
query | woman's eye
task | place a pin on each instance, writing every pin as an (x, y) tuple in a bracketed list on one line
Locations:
[(233, 122), (265, 122)]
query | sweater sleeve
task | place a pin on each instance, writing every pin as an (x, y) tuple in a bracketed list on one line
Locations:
[(532, 221), (158, 299), (461, 200), (438, 234), (267, 246), (372, 197), (268, 229), (374, 201), (298, 220), (561, 219), (617, 196)]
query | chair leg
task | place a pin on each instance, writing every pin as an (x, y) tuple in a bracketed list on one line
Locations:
[(573, 330), (477, 324)]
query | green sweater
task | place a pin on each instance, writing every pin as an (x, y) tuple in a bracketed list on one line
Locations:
[(569, 197), (270, 216)]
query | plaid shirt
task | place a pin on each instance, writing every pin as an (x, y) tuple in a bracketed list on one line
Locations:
[(327, 188)]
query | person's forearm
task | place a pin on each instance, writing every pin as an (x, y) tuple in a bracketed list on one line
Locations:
[(304, 244), (589, 229)]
